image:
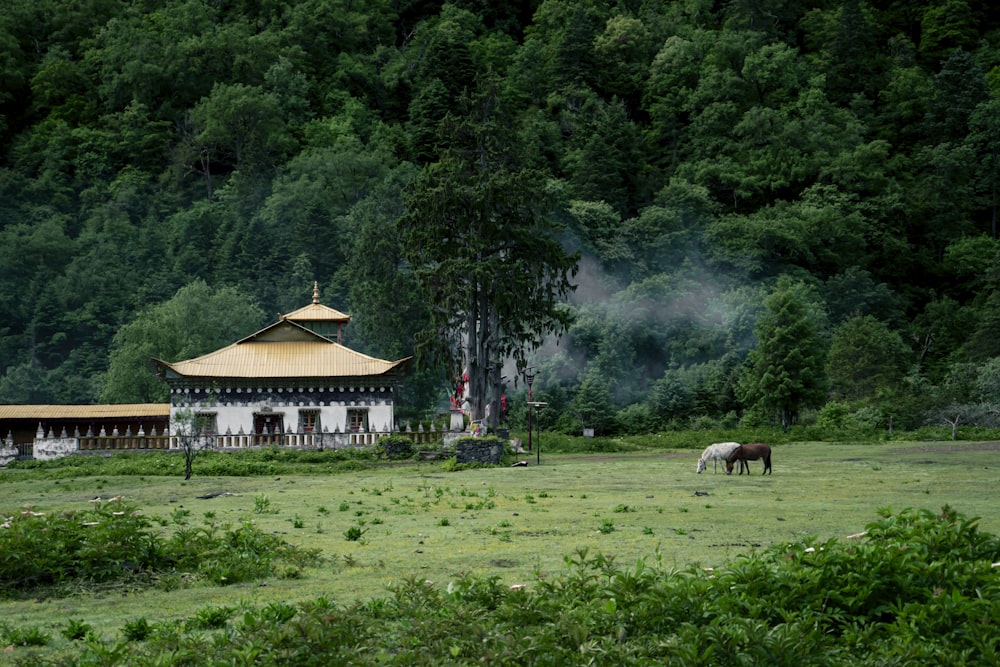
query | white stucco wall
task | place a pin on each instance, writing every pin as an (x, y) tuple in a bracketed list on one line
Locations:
[(235, 408)]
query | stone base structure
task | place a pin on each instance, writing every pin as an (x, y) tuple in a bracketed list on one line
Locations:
[(488, 450)]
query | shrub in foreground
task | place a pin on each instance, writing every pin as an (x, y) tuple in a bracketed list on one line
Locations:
[(916, 588), (113, 542)]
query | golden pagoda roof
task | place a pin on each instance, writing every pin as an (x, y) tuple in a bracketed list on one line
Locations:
[(283, 350), (316, 312)]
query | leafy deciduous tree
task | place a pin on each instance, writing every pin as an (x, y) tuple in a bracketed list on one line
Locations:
[(243, 126), (198, 319), (854, 292), (983, 342), (984, 135), (946, 26), (865, 356)]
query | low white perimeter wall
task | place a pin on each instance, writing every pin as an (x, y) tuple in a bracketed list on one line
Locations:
[(55, 448)]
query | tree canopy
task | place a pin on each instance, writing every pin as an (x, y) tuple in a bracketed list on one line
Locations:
[(487, 259), (196, 320), (693, 156)]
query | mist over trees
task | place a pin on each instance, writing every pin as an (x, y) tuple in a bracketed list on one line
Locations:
[(716, 167)]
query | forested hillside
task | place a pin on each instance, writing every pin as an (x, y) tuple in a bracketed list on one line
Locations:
[(779, 206)]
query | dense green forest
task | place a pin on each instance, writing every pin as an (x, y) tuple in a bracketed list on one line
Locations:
[(771, 210)]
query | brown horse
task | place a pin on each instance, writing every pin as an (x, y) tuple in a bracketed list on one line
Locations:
[(752, 452)]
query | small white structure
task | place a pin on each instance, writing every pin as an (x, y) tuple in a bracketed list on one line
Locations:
[(8, 452)]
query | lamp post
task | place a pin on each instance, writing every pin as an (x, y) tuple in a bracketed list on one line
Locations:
[(538, 405), (529, 377)]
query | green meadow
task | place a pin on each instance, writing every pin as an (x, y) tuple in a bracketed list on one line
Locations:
[(378, 527)]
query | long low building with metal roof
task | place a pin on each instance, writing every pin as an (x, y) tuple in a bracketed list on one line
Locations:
[(58, 413), (83, 427)]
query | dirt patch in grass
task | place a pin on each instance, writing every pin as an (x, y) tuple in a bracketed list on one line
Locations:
[(949, 448), (616, 457)]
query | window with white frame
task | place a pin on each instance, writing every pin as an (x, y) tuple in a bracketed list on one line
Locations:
[(357, 420), (205, 423), (308, 419)]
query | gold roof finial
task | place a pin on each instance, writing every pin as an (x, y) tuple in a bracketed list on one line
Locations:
[(315, 291)]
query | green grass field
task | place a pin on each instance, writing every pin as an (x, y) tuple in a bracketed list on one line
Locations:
[(418, 521)]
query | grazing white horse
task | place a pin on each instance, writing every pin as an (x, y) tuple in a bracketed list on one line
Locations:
[(720, 451)]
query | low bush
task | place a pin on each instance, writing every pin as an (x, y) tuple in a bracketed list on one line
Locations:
[(12, 636), (77, 629), (354, 533), (394, 447), (114, 542), (138, 630), (108, 541), (210, 618)]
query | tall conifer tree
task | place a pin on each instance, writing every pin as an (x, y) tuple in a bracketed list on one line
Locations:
[(476, 232), (785, 372)]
